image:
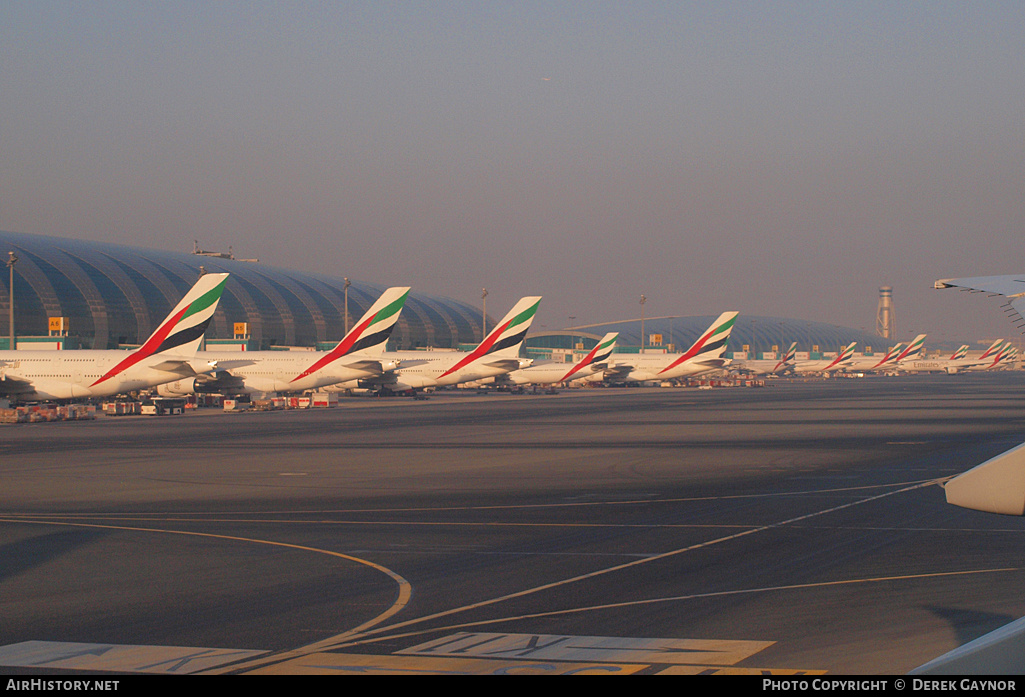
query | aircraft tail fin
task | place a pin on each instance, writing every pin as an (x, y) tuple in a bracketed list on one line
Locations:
[(842, 357), (791, 354), (788, 360), (993, 349), (605, 347), (182, 330), (711, 345), (1005, 354), (504, 341), (371, 333), (893, 354), (599, 354), (914, 349), (374, 328)]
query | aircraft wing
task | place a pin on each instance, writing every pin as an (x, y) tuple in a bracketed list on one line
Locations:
[(617, 370), (385, 379), (1011, 287), (191, 367), (12, 384), (371, 366), (180, 367), (713, 362), (507, 364), (1000, 285), (220, 366), (407, 362), (995, 486)]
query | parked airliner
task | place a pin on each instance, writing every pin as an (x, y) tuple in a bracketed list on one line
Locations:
[(497, 354), (168, 354), (996, 485), (874, 364), (766, 366), (827, 365), (958, 362), (554, 372), (357, 355), (704, 355)]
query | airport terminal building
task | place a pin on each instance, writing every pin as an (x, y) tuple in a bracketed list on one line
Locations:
[(113, 295)]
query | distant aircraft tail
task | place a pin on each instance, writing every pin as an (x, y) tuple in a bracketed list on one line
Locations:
[(890, 356), (960, 354), (992, 350), (1005, 355), (788, 358), (791, 355), (914, 349), (844, 356), (504, 341), (711, 345), (599, 354), (181, 332), (371, 333)]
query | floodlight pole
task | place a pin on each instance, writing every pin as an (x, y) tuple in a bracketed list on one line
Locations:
[(484, 313), (346, 287), (12, 259), (643, 300)]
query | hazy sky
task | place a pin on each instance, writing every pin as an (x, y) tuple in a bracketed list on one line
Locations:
[(774, 158)]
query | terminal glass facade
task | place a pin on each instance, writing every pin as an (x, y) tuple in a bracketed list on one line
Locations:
[(115, 294)]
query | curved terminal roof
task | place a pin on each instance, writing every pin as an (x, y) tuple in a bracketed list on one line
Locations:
[(115, 294)]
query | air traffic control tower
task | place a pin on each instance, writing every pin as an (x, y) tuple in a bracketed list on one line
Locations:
[(885, 314)]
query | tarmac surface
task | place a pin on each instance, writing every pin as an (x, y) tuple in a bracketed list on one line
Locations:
[(796, 528)]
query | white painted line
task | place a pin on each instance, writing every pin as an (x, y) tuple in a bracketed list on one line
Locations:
[(171, 660)]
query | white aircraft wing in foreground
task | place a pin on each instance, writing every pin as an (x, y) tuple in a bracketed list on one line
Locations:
[(998, 484), (1010, 287)]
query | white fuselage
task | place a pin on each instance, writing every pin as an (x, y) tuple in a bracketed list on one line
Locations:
[(644, 367), (280, 371), (549, 373), (938, 365), (760, 366), (76, 374), (869, 364), (421, 369), (825, 365)]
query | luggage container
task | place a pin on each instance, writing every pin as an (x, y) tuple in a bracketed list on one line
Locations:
[(325, 399)]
